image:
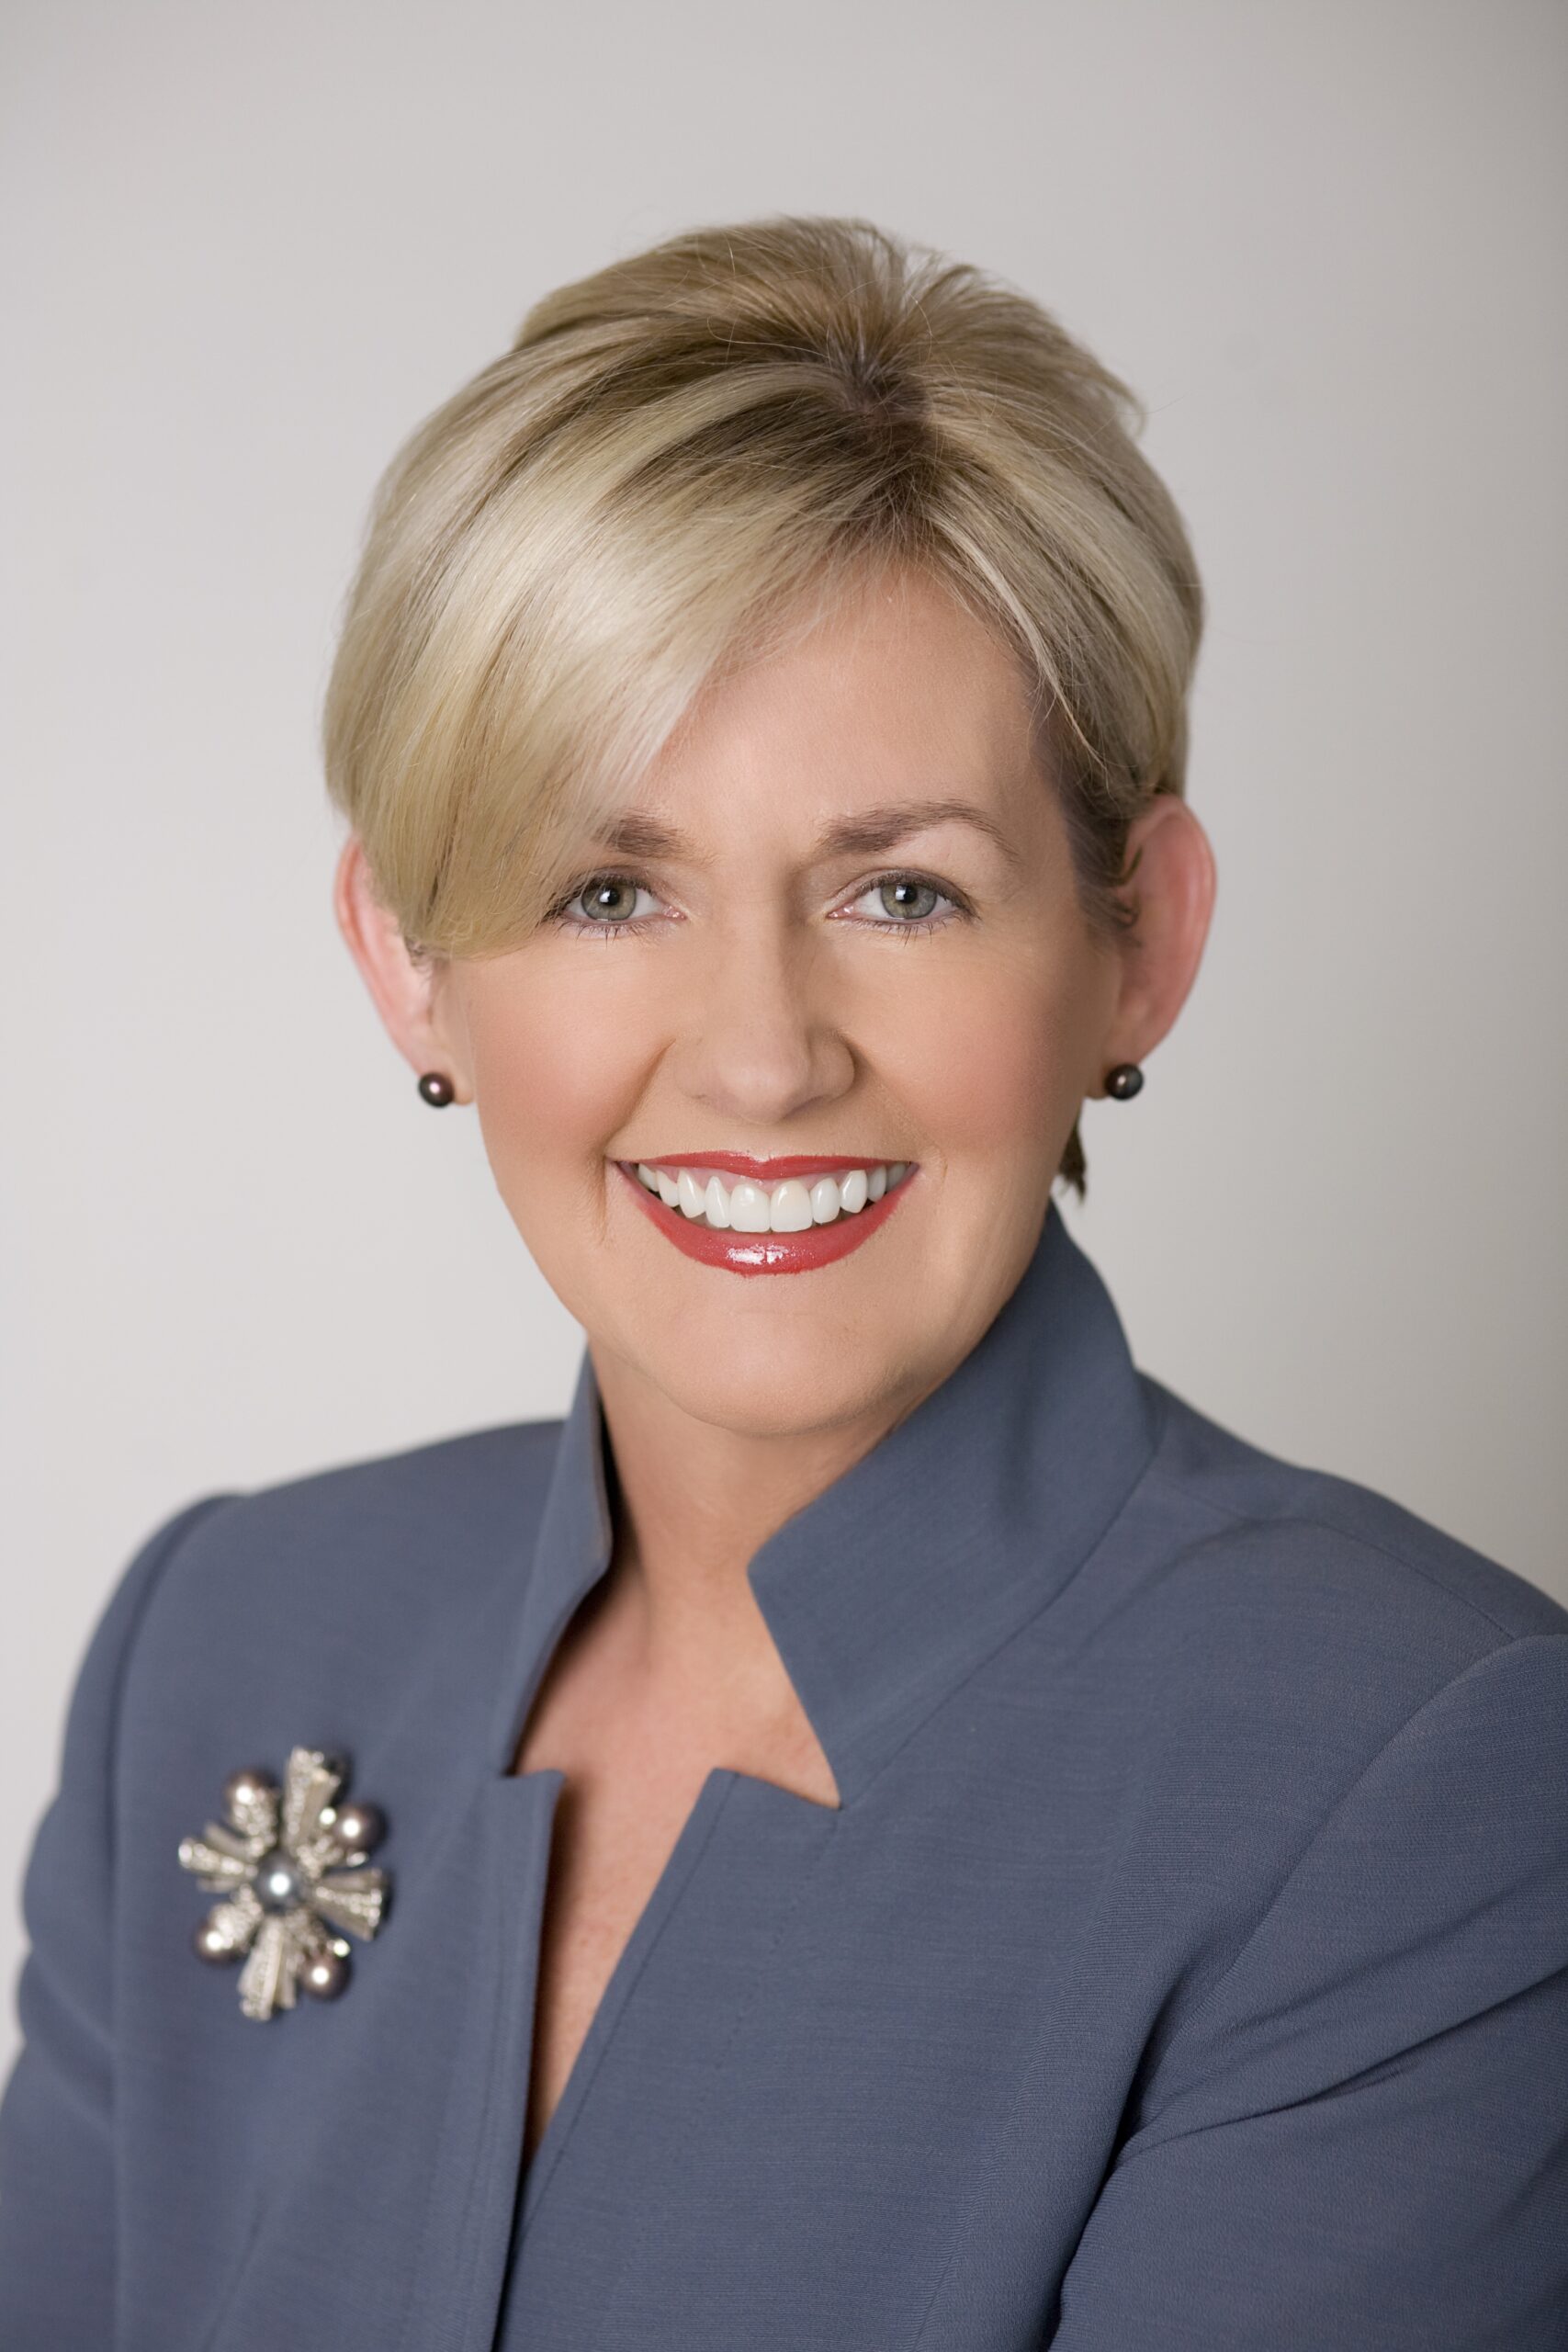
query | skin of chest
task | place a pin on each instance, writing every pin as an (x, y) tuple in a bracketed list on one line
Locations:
[(635, 1754)]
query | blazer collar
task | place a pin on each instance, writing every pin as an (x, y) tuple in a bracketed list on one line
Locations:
[(890, 1587)]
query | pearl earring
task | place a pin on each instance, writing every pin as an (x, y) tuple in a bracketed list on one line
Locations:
[(437, 1089), (1123, 1083)]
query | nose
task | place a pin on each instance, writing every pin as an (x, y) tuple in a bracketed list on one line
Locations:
[(761, 1039)]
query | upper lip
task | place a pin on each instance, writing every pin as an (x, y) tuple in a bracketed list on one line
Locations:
[(744, 1163)]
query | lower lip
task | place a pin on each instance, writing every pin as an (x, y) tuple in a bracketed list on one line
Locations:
[(766, 1253)]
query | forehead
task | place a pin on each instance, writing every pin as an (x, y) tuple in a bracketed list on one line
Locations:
[(894, 692)]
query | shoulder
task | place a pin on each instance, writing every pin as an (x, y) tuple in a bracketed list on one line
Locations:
[(1256, 1555), (1247, 1514), (344, 1578), (1272, 1631), (371, 1528)]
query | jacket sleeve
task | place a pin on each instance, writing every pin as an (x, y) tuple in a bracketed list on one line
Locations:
[(1361, 2138), (57, 2170)]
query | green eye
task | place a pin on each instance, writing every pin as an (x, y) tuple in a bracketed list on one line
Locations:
[(606, 890), (604, 907), (923, 907), (910, 893)]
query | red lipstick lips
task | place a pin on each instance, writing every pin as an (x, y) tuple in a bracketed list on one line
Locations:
[(765, 1253)]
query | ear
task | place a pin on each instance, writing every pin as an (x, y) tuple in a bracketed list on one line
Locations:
[(418, 1012), (1172, 886)]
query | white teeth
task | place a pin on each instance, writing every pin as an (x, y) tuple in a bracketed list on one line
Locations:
[(749, 1207), (790, 1206), (793, 1206)]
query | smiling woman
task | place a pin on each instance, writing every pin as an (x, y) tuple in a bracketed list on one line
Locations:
[(681, 465), (759, 995), (892, 1828)]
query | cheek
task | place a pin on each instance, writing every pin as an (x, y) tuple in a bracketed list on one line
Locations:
[(548, 1080), (997, 1060)]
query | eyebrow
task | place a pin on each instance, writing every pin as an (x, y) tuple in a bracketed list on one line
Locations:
[(867, 834)]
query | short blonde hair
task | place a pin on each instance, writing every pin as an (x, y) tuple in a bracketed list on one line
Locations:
[(681, 459)]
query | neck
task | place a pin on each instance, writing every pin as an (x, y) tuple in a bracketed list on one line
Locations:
[(693, 1503)]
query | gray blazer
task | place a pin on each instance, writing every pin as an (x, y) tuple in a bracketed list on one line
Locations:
[(1187, 1964)]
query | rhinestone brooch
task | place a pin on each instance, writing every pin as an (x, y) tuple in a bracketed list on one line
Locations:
[(290, 1868)]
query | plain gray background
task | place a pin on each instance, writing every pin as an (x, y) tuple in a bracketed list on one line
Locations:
[(243, 252)]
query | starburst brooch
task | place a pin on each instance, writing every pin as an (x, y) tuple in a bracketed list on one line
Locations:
[(290, 1870)]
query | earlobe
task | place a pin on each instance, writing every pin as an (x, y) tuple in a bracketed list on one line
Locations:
[(402, 987)]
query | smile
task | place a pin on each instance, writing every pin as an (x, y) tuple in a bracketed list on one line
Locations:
[(772, 1216)]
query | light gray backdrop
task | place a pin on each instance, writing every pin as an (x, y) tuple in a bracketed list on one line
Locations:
[(244, 251)]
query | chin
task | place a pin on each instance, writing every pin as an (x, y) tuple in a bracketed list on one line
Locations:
[(782, 1377)]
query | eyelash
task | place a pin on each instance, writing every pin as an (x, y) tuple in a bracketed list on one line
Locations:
[(561, 912)]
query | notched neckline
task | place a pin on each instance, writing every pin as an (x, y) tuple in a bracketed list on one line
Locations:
[(723, 1788)]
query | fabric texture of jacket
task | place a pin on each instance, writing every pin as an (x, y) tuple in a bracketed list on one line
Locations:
[(1186, 1964)]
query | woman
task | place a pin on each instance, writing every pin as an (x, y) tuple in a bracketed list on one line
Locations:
[(885, 1827)]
